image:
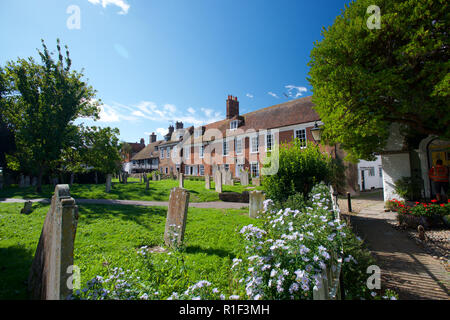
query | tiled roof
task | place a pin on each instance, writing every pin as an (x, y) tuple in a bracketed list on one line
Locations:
[(148, 152), (281, 115)]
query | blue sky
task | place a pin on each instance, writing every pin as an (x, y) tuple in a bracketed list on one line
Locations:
[(153, 61)]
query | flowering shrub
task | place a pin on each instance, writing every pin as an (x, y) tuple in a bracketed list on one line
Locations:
[(286, 258), (394, 204)]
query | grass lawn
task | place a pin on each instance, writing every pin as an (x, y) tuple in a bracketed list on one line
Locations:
[(109, 236), (159, 191)]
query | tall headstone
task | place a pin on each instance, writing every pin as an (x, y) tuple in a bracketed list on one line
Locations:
[(244, 178), (207, 182), (228, 178), (181, 179), (21, 181), (140, 177), (108, 182), (256, 203), (176, 216), (50, 272), (27, 181), (218, 181)]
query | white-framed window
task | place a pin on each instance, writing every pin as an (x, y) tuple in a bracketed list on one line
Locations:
[(162, 154), (194, 170), (168, 153), (269, 141), (254, 144), (254, 169), (225, 148), (238, 145), (301, 135), (234, 124), (371, 172), (380, 169), (201, 151), (197, 132), (167, 170), (202, 170), (187, 152)]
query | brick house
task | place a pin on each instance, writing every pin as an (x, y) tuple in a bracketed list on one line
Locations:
[(241, 142), (147, 159)]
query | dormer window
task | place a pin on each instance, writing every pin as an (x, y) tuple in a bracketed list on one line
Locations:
[(234, 124)]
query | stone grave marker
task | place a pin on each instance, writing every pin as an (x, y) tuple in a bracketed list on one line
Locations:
[(244, 178), (228, 178), (218, 181), (176, 216), (27, 181), (181, 179), (21, 181), (207, 182), (34, 181), (50, 272), (154, 176), (27, 208), (108, 182), (256, 203)]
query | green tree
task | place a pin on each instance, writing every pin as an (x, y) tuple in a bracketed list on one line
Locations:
[(45, 100), (102, 152), (366, 79)]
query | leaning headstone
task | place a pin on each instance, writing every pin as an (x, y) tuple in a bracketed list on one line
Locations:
[(207, 182), (181, 180), (218, 181), (27, 208), (108, 183), (53, 262), (21, 181), (256, 201), (244, 178), (27, 181), (176, 216)]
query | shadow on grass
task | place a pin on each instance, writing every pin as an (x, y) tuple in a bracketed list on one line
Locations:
[(15, 263), (210, 251)]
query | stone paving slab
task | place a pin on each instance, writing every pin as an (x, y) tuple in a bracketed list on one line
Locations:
[(405, 267), (204, 205)]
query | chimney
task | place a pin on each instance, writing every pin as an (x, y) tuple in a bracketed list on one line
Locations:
[(152, 137), (179, 125), (232, 107)]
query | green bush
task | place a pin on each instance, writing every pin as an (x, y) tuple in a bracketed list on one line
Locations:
[(299, 170), (409, 188)]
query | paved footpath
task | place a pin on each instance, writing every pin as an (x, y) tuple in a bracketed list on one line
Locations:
[(204, 205), (405, 267)]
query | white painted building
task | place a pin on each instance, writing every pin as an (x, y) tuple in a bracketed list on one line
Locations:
[(370, 174)]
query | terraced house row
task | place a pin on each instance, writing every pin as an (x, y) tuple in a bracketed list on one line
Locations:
[(239, 142)]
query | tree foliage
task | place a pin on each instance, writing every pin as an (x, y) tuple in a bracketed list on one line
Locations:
[(364, 80), (43, 102)]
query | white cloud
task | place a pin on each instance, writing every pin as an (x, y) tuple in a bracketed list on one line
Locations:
[(294, 91), (250, 95), (191, 110), (122, 4), (108, 114), (162, 131), (272, 94)]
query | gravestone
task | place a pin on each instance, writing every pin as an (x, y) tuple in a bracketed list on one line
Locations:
[(244, 178), (21, 181), (27, 181), (108, 183), (140, 177), (27, 208), (218, 181), (256, 203), (207, 182), (34, 181), (48, 278), (154, 176), (158, 177), (256, 181), (228, 178), (181, 179), (147, 182), (176, 216)]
